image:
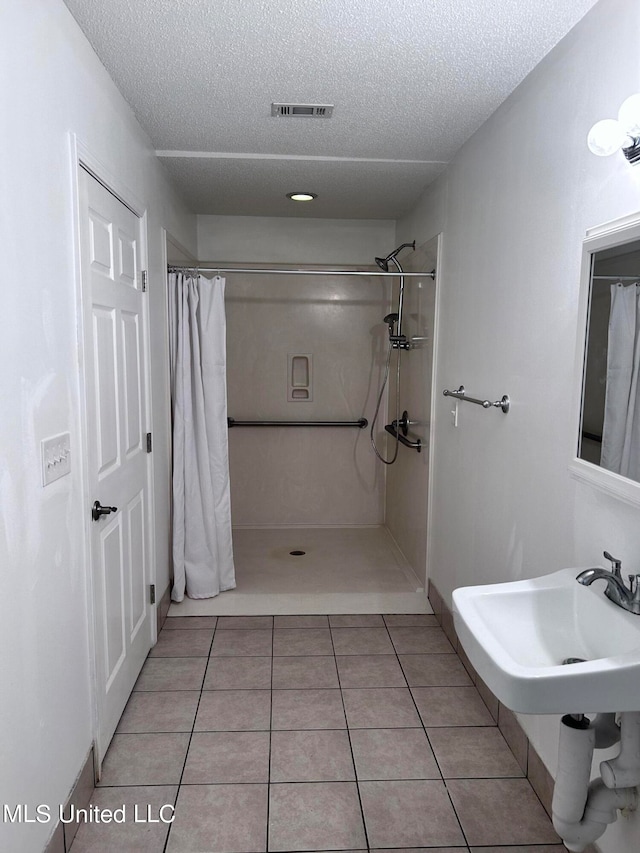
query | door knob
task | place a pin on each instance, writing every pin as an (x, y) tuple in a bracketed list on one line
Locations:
[(97, 510)]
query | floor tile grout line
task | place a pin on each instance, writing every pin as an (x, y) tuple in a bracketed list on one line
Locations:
[(450, 778), (353, 758), (322, 781), (544, 808), (426, 735), (415, 705), (305, 655), (267, 839), (195, 717), (424, 728), (459, 822)]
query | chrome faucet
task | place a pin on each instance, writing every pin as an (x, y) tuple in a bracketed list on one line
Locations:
[(627, 597)]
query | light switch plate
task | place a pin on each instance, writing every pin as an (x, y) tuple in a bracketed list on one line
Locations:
[(56, 457)]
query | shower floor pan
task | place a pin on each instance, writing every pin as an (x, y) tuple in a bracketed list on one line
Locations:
[(341, 570)]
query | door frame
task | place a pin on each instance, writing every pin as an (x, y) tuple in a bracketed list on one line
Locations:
[(83, 158), (433, 433)]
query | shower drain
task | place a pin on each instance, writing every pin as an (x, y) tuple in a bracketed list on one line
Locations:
[(297, 553)]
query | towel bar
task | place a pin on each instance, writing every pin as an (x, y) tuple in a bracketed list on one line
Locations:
[(503, 404)]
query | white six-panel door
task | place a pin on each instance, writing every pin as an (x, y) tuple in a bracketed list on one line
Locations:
[(115, 382)]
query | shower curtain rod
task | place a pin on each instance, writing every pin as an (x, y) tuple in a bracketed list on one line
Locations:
[(618, 277), (263, 270)]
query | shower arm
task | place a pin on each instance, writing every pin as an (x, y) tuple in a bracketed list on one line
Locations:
[(399, 341)]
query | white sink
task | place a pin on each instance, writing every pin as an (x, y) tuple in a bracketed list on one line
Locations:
[(518, 634)]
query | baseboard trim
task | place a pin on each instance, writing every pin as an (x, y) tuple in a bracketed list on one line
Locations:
[(162, 608), (80, 796), (303, 525), (530, 762)]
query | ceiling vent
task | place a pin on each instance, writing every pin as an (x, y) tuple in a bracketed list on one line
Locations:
[(304, 110)]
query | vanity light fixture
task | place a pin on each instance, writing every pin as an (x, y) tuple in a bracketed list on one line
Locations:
[(608, 136), (302, 196)]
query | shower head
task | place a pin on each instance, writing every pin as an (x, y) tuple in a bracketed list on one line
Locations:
[(383, 263), (397, 340), (391, 320)]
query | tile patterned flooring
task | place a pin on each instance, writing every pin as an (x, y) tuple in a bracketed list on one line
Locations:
[(312, 733)]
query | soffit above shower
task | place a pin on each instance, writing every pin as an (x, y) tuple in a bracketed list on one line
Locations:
[(391, 188), (410, 81)]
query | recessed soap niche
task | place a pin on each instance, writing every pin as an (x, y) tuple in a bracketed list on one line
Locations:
[(299, 377)]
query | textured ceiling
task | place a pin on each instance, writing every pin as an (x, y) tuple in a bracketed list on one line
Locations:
[(411, 80)]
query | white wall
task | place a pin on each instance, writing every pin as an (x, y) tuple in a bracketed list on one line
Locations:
[(513, 207), (52, 83), (288, 240)]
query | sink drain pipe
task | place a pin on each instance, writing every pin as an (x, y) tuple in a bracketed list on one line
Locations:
[(582, 809)]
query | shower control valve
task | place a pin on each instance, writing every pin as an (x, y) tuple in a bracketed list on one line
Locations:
[(404, 423), (399, 342)]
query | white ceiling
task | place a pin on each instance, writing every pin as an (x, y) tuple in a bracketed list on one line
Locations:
[(411, 80)]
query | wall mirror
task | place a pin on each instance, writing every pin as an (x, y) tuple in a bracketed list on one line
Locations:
[(607, 449)]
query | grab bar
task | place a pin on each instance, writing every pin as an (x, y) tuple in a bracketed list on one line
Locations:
[(416, 445), (361, 423), (503, 404), (404, 423)]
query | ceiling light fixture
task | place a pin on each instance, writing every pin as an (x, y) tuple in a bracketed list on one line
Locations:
[(302, 196), (608, 136)]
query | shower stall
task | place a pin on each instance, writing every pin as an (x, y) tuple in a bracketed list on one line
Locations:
[(320, 525)]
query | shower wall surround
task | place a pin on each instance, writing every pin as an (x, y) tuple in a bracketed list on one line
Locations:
[(302, 476), (284, 476), (408, 478)]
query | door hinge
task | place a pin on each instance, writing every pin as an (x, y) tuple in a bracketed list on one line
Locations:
[(152, 593), (143, 280), (149, 443)]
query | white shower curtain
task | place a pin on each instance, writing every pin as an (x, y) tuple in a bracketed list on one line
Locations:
[(202, 543), (621, 428)]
